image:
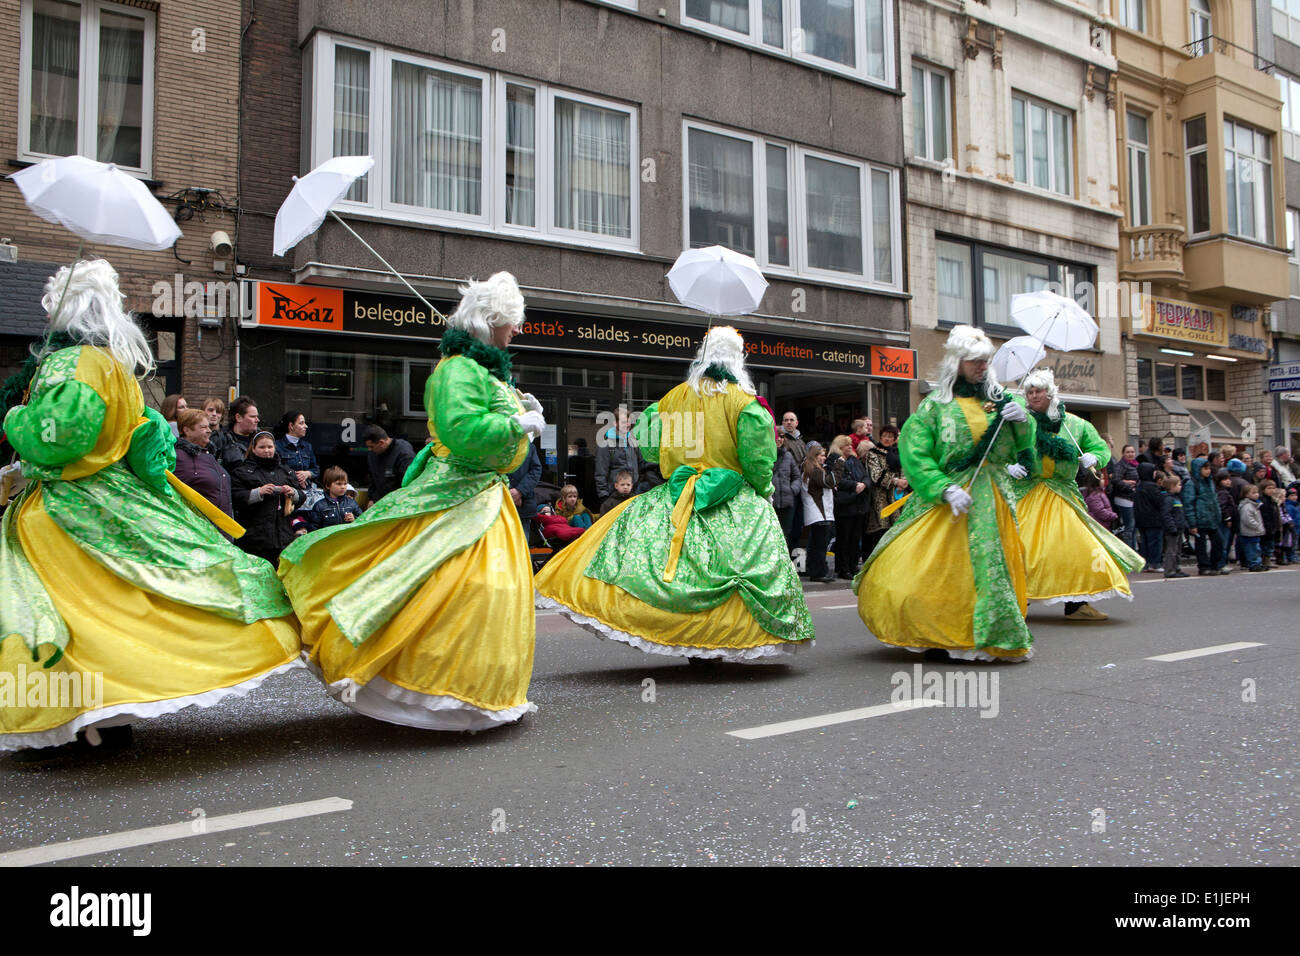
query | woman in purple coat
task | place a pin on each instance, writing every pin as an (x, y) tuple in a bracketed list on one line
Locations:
[(196, 465)]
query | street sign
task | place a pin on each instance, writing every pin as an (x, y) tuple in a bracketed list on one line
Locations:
[(1284, 377)]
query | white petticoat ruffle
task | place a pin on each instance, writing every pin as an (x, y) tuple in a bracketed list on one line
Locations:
[(763, 654), (970, 655), (386, 701), (1085, 598), (120, 714)]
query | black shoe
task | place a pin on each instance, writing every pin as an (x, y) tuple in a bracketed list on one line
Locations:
[(1176, 574), (1252, 570), (935, 654), (1203, 571), (702, 663)]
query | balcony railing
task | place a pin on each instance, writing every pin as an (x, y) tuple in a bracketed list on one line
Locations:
[(1217, 44), (1154, 251)]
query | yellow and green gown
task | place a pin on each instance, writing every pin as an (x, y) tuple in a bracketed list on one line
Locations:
[(1070, 556), (119, 600), (956, 584), (697, 566), (420, 612)]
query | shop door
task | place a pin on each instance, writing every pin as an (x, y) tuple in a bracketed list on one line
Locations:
[(568, 446)]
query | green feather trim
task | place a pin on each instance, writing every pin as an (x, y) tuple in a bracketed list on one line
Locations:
[(460, 342), (1049, 442), (976, 454), (964, 389), (720, 374)]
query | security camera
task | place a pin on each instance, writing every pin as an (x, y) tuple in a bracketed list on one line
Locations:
[(221, 245)]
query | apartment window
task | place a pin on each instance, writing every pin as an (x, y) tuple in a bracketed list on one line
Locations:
[(792, 208), (975, 283), (1042, 143), (931, 114), (1286, 19), (1139, 170), (1144, 369), (1293, 254), (86, 82), (848, 36), (1248, 175), (1198, 176), (1201, 28), (1133, 14), (1290, 115), (468, 148), (1193, 382)]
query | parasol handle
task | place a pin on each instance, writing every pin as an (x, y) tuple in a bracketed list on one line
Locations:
[(67, 282), (427, 303)]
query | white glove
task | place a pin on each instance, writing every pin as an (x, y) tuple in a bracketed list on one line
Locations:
[(530, 402), (532, 423), (1017, 471), (1088, 459), (1011, 412), (957, 499)]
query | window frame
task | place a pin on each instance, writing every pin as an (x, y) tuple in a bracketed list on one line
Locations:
[(976, 251), (790, 27), (797, 209), (1188, 153), (1071, 173), (1266, 228), (318, 78), (1206, 16), (927, 71), (1122, 14), (1135, 152), (88, 65), (1293, 252)]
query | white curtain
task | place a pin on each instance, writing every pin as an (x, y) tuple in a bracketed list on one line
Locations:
[(352, 111), (56, 69), (437, 121), (592, 169), (721, 171), (834, 202), (828, 29), (121, 89)]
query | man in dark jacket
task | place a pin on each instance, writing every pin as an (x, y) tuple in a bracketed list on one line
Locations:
[(523, 485), (1146, 512), (1201, 508), (388, 460), (615, 453), (852, 502), (787, 482), (243, 426), (1155, 453)]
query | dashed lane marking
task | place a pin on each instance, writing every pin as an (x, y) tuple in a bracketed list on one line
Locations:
[(1204, 651), (827, 720)]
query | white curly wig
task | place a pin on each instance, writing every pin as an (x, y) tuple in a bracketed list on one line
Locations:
[(88, 307), (966, 343), (724, 347), (1044, 379), (494, 302)]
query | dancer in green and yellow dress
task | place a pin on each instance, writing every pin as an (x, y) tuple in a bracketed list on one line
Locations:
[(696, 567), (420, 612), (1072, 560), (119, 598), (949, 575)]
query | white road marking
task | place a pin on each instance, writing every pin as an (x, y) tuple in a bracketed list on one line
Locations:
[(826, 720), (171, 831), (834, 607), (1203, 651)]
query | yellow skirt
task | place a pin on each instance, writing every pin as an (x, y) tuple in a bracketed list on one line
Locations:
[(920, 592), (458, 655), (1066, 562), (726, 632), (131, 654)]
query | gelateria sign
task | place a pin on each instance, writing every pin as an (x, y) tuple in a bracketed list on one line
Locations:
[(1185, 321), (281, 305)]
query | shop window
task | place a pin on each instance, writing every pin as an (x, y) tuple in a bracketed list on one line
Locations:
[(931, 113), (844, 217), (1198, 176), (1192, 382), (86, 82), (1144, 370), (1042, 143), (1139, 170), (459, 146), (416, 374), (1248, 175), (844, 36), (1216, 385), (976, 283), (1166, 379)]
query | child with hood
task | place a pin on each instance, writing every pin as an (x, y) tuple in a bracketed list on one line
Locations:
[(1201, 508), (1227, 516), (1174, 523), (1146, 512)]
